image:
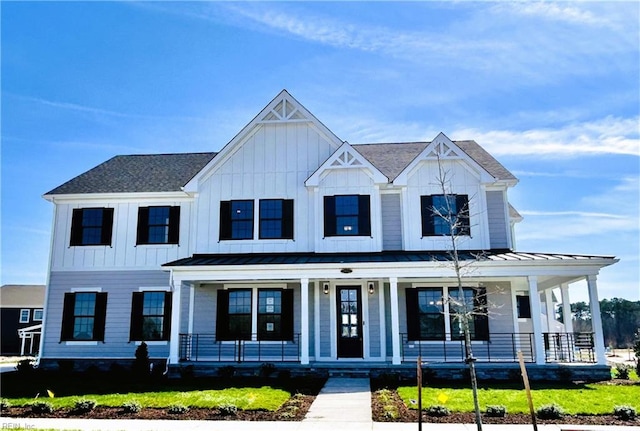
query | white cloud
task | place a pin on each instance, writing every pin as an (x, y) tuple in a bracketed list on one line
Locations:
[(562, 12)]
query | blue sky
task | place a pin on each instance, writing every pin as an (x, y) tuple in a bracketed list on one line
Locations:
[(551, 89)]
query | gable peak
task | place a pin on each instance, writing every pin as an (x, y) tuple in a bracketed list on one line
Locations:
[(442, 148), (283, 108)]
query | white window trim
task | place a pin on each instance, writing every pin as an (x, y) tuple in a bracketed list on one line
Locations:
[(153, 343), (86, 289), (154, 289), (254, 307), (81, 343), (22, 310), (41, 317)]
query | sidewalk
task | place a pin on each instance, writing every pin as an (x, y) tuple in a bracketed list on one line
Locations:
[(342, 404)]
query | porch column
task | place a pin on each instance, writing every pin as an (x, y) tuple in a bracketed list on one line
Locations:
[(536, 315), (596, 319), (174, 341), (566, 309), (304, 321), (395, 321), (551, 318)]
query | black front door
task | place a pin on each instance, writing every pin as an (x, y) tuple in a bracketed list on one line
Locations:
[(349, 302)]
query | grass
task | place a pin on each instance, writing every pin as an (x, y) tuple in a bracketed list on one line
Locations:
[(263, 398), (588, 399)]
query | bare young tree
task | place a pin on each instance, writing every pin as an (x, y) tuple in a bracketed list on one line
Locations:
[(455, 216)]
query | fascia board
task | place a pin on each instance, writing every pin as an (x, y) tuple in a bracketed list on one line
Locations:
[(84, 197), (251, 128)]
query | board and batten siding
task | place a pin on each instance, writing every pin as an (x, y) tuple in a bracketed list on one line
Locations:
[(391, 221), (123, 251), (497, 217), (272, 163), (119, 286)]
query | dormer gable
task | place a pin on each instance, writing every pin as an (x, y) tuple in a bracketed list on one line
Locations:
[(443, 148), (346, 157), (284, 108)]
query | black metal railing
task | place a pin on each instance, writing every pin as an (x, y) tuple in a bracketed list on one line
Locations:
[(206, 347), (569, 347), (500, 347)]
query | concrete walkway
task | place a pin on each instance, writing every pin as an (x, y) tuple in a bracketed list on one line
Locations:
[(343, 404)]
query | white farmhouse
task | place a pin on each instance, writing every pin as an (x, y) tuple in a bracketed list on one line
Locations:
[(294, 247)]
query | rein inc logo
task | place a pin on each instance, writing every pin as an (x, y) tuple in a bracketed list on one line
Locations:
[(17, 426)]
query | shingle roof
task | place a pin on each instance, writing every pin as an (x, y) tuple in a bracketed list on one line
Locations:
[(21, 295), (373, 257), (138, 173), (391, 159)]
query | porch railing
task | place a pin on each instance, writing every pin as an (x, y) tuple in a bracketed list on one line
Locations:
[(206, 347), (501, 347), (569, 347)]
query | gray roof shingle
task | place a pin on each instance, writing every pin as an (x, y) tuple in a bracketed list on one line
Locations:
[(138, 174)]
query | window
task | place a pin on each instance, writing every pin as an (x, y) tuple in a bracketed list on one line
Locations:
[(83, 316), (427, 315), (91, 226), (347, 215), (37, 315), (441, 212), (272, 308), (158, 225), (236, 220), (25, 314), (276, 219), (150, 316), (524, 306)]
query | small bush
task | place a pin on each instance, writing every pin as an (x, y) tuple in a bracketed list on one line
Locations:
[(266, 369), (26, 366), (140, 368), (622, 371), (187, 372), (131, 407), (228, 410), (496, 411), (84, 405), (65, 366), (227, 372), (437, 411), (4, 405), (178, 409), (625, 413), (296, 399), (39, 407), (550, 411), (391, 412)]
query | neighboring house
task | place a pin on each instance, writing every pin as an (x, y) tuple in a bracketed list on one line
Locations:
[(292, 245), (21, 318)]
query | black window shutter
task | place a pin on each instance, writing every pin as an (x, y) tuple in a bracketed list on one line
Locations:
[(107, 226), (135, 331), (481, 320), (287, 219), (462, 207), (413, 318), (142, 236), (166, 328), (364, 215), (67, 316), (100, 316), (426, 209), (329, 215), (222, 315), (287, 315), (225, 220), (174, 225), (76, 227)]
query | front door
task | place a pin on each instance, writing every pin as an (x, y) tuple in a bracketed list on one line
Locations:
[(349, 302)]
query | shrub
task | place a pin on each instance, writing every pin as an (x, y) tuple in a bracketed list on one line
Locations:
[(227, 372), (289, 413), (4, 405), (131, 407), (496, 411), (177, 409), (140, 366), (623, 371), (437, 411), (84, 405), (228, 410), (25, 366), (187, 372), (550, 411), (39, 407), (391, 412), (65, 366), (266, 369), (625, 413)]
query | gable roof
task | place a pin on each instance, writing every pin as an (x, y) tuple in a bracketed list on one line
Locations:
[(137, 174), (392, 158)]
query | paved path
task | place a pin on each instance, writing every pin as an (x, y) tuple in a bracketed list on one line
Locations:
[(343, 404)]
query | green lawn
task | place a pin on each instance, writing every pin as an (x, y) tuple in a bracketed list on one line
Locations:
[(249, 398), (576, 399)]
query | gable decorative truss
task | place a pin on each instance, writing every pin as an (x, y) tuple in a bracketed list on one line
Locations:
[(284, 108), (442, 148), (346, 157)]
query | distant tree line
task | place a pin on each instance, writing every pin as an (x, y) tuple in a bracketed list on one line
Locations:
[(620, 320)]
